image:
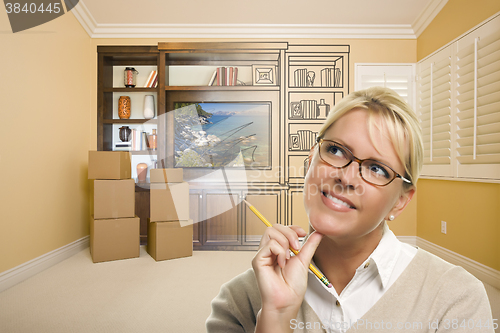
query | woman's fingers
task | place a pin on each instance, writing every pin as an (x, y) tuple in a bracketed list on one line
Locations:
[(271, 254), (309, 248), (278, 239), (300, 232), (290, 234)]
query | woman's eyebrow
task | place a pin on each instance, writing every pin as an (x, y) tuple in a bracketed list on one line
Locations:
[(378, 159)]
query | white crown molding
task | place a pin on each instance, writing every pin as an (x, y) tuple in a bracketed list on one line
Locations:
[(364, 31), (427, 15), (84, 16), (24, 271), (286, 31), (341, 31)]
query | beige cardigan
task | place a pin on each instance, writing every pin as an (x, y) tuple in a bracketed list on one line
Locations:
[(430, 293)]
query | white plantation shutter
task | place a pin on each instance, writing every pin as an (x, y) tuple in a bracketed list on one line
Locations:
[(434, 112), (478, 103), (398, 77)]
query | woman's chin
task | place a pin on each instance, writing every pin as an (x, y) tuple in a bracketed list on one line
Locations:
[(327, 225)]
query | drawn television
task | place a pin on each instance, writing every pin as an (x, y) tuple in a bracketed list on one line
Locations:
[(222, 134)]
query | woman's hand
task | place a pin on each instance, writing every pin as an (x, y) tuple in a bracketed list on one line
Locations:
[(282, 279)]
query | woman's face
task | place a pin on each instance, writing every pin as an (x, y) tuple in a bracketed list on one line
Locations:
[(339, 203)]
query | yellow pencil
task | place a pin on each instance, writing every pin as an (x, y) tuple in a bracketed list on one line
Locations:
[(311, 267)]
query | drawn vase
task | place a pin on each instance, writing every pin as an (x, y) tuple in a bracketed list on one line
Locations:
[(125, 133), (323, 109), (149, 107), (124, 107), (142, 172)]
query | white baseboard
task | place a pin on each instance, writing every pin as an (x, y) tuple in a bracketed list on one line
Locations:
[(482, 272), (28, 269), (412, 240)]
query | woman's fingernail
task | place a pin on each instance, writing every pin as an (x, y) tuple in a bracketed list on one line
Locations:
[(296, 245)]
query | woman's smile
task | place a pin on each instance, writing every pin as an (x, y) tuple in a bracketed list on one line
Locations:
[(336, 202)]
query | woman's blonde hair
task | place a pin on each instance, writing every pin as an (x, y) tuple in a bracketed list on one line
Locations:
[(398, 119)]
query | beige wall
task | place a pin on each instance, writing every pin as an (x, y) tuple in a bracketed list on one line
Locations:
[(456, 18), (470, 209), (45, 118)]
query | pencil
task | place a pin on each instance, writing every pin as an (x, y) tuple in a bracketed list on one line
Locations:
[(311, 267)]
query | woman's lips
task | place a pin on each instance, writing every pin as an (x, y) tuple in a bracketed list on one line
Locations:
[(337, 202)]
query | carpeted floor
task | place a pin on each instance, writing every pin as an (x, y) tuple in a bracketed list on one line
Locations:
[(134, 295)]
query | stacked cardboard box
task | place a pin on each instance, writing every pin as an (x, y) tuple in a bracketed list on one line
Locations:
[(170, 232), (114, 227)]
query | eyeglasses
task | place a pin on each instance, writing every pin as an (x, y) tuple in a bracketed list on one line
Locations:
[(371, 171)]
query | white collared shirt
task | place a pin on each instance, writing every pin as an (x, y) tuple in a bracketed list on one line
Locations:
[(371, 280)]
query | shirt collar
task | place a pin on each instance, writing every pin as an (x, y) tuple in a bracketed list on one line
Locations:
[(385, 255)]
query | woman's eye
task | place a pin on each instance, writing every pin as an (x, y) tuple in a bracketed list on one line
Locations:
[(335, 150), (378, 170)]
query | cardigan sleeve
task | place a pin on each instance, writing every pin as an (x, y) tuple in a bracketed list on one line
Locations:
[(236, 306), (469, 311)]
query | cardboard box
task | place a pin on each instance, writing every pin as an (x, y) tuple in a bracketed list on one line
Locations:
[(109, 165), (170, 240), (172, 175), (169, 202), (114, 239), (114, 198)]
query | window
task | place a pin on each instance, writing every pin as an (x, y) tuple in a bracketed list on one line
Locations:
[(458, 104), (398, 77)]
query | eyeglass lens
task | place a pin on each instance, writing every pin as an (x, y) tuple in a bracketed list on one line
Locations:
[(339, 156)]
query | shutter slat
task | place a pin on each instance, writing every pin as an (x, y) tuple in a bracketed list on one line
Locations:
[(466, 78), (491, 68), (481, 140), (442, 136), (441, 120), (442, 112), (466, 69), (445, 71), (465, 114), (465, 87), (488, 79), (481, 130), (488, 149), (438, 89), (466, 96), (485, 50), (437, 160), (444, 144), (465, 51), (441, 64), (489, 108), (441, 153), (442, 104), (481, 159), (467, 105), (490, 39), (488, 99), (488, 60), (441, 128)]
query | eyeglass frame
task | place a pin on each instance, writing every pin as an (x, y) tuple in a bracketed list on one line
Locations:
[(352, 158)]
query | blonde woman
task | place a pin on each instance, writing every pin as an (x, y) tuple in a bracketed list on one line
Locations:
[(362, 172)]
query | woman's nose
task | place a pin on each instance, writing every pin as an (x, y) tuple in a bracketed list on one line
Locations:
[(349, 176)]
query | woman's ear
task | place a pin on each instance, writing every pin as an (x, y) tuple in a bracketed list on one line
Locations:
[(401, 203)]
